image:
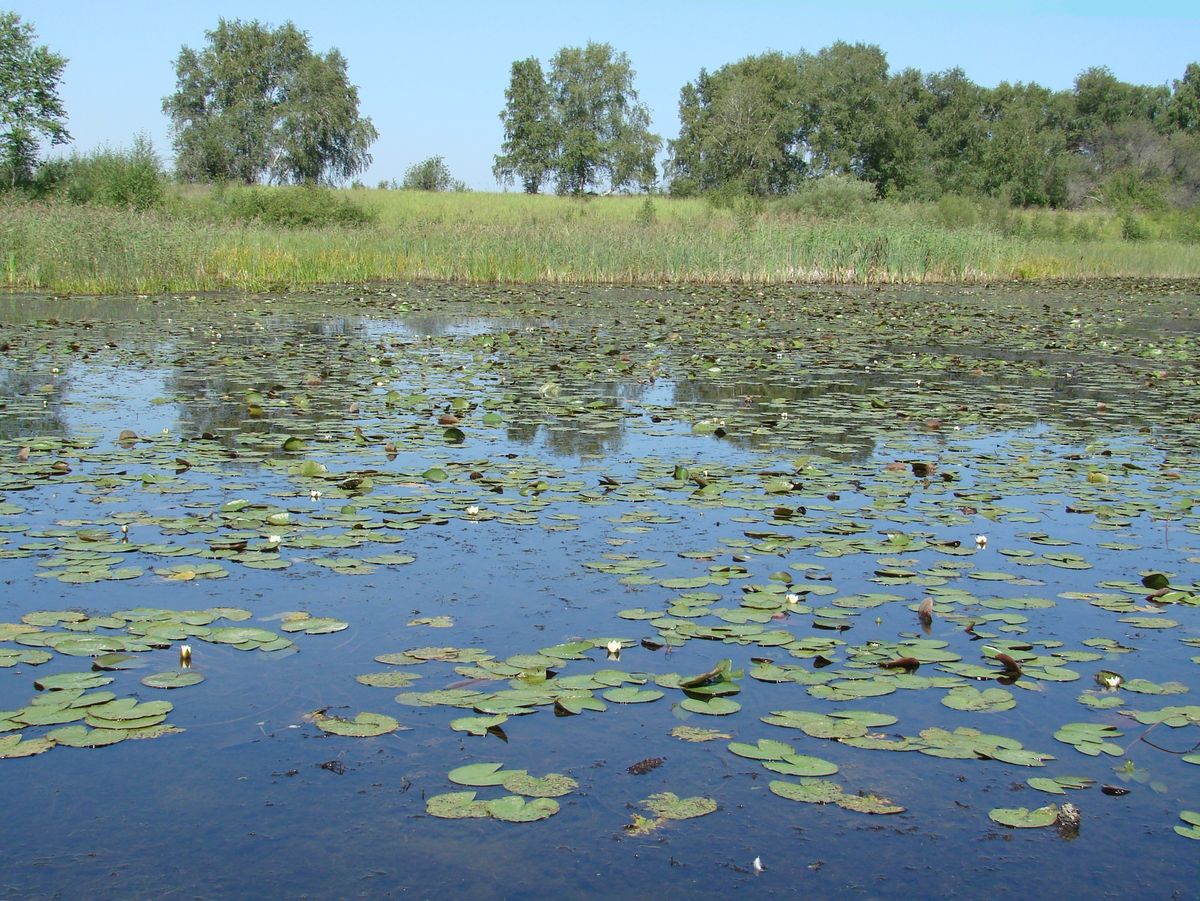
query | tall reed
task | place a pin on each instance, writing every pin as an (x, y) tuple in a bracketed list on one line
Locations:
[(509, 238)]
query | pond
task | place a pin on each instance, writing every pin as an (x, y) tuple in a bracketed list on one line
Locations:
[(513, 593)]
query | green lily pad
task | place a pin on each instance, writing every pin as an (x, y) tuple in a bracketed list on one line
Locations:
[(1192, 829), (801, 765), (173, 679), (479, 774), (712, 707), (82, 737), (15, 746), (364, 725), (764, 749), (65, 681), (515, 809), (456, 806), (670, 806), (478, 725), (552, 785), (631, 695), (1023, 818)]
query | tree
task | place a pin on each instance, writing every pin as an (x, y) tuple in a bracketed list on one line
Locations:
[(604, 129), (530, 128), (1184, 108), (951, 120), (1026, 155), (431, 174), (258, 103), (583, 124), (740, 129), (852, 118), (29, 103)]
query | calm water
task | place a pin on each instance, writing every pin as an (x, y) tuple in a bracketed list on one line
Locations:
[(734, 439)]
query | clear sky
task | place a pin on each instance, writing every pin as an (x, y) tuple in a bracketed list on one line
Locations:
[(431, 75)]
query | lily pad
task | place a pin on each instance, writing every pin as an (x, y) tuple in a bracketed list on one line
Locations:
[(363, 725), (1023, 818), (173, 679), (456, 806), (670, 806), (515, 809)]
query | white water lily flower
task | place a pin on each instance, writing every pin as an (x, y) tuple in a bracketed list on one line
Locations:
[(472, 510), (792, 598), (758, 865), (273, 539), (185, 654), (614, 647), (314, 495), (980, 541)]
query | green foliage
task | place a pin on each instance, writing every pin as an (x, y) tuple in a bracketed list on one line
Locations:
[(30, 107), (289, 207), (958, 211), (647, 213), (838, 197), (531, 130), (738, 130), (1183, 111), (195, 242), (130, 179), (1133, 228), (431, 174), (583, 124), (259, 103), (768, 123)]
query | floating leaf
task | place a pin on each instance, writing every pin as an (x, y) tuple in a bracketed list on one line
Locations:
[(364, 725), (515, 809), (1023, 818), (669, 806), (173, 679), (552, 785), (456, 806)]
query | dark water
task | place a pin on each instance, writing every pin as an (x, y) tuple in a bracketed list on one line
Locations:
[(598, 397)]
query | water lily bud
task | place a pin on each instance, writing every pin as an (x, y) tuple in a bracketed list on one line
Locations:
[(185, 655), (757, 866)]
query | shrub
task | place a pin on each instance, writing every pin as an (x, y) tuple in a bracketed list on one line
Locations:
[(832, 197), (1133, 228), (130, 179), (647, 213), (431, 174), (290, 207)]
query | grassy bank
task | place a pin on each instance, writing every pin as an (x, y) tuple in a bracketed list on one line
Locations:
[(474, 237)]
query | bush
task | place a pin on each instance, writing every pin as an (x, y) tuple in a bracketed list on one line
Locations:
[(290, 207), (832, 197), (431, 174), (647, 213), (1133, 228), (130, 179), (958, 211)]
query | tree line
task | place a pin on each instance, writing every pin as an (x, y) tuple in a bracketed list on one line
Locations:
[(767, 123), (257, 104)]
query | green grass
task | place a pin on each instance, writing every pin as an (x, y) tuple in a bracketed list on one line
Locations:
[(513, 238)]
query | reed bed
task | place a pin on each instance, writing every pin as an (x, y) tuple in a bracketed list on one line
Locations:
[(509, 238)]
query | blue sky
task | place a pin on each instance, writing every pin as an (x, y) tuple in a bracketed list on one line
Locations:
[(432, 75)]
